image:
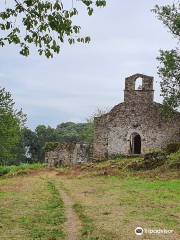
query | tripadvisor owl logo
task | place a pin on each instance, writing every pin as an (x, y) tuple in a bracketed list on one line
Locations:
[(139, 231)]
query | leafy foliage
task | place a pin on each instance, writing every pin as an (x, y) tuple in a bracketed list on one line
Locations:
[(151, 160), (46, 24), (172, 147), (46, 138), (77, 132), (169, 69), (30, 144), (174, 160), (170, 16), (44, 134), (11, 123), (50, 146), (24, 145)]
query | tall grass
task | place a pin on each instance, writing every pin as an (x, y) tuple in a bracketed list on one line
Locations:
[(20, 169)]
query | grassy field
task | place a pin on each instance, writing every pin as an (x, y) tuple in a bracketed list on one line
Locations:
[(30, 208), (21, 169), (109, 200)]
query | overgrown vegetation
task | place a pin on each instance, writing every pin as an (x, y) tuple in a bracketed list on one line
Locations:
[(50, 146), (35, 141), (155, 165), (174, 160), (20, 169), (169, 157), (11, 123), (172, 147), (29, 146)]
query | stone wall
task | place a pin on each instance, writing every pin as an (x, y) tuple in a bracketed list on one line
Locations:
[(116, 132), (68, 154), (137, 114)]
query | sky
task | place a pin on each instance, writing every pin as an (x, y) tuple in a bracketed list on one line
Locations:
[(125, 39)]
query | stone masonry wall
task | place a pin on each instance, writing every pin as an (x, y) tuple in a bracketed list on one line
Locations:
[(68, 154), (137, 114)]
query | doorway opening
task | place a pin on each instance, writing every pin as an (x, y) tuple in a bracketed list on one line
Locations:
[(135, 143)]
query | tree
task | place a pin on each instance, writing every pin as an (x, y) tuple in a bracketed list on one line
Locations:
[(44, 134), (70, 132), (33, 143), (29, 145), (43, 23), (11, 123), (169, 69), (87, 134)]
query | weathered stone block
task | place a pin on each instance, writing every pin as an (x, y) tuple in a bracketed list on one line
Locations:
[(68, 154)]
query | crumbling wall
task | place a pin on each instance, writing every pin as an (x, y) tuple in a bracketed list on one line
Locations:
[(68, 154), (137, 114)]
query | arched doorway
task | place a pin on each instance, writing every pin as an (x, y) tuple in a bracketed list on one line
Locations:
[(135, 143)]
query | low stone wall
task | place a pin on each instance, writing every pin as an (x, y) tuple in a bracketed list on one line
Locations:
[(69, 154)]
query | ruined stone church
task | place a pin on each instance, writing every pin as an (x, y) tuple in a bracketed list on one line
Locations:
[(133, 127), (136, 125)]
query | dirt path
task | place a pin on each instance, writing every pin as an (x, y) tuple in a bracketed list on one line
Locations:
[(72, 224)]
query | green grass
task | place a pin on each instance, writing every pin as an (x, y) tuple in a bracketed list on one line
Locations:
[(110, 201), (155, 201), (51, 216), (87, 223), (19, 169), (30, 208), (113, 206)]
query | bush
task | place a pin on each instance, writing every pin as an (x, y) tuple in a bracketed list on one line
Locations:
[(172, 147), (154, 159), (50, 146), (4, 170), (174, 160), (151, 160)]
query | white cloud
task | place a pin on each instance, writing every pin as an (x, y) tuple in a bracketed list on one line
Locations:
[(126, 38)]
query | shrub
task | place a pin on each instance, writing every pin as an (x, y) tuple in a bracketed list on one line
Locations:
[(50, 146), (4, 170), (172, 147), (174, 160), (151, 160), (155, 159)]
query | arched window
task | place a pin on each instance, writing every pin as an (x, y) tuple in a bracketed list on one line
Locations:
[(138, 83)]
